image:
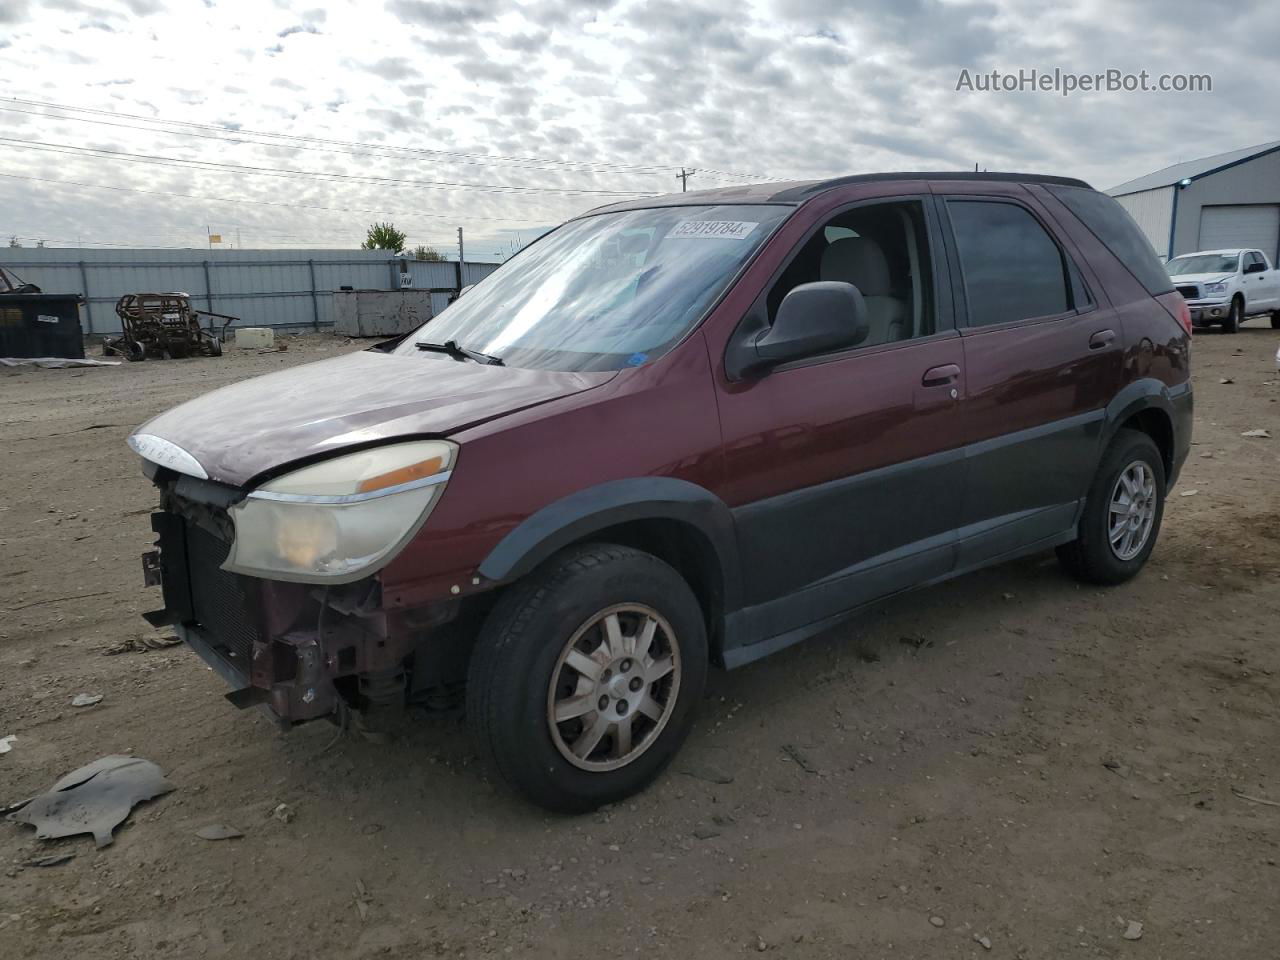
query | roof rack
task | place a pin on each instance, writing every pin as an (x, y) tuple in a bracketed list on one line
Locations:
[(805, 190)]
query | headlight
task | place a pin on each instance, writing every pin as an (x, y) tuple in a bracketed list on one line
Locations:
[(1215, 288), (339, 520)]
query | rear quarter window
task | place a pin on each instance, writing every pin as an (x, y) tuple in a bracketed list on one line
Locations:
[(1111, 224)]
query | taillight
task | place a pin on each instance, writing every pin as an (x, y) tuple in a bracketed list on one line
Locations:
[(1184, 315)]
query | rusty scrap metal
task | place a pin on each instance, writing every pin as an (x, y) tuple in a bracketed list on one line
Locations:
[(165, 325)]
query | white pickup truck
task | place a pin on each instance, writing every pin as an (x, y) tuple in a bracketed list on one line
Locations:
[(1227, 287)]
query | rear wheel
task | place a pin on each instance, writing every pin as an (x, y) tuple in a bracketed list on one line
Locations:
[(1122, 513), (585, 677), (1275, 320), (1235, 316)]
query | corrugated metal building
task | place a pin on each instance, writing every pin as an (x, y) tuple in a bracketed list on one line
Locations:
[(1227, 200), (265, 288)]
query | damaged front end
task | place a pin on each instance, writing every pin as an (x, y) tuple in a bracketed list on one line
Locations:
[(302, 650)]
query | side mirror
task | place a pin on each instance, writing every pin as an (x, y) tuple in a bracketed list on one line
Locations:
[(812, 318), (1255, 268)]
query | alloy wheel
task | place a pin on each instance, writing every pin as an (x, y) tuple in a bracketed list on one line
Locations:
[(1132, 511), (614, 687)]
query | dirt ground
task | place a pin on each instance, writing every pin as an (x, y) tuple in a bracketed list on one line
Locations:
[(1009, 765)]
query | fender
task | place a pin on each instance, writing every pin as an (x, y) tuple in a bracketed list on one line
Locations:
[(1139, 395), (580, 514), (1151, 394)]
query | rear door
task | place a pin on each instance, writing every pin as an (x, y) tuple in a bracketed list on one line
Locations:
[(1042, 358)]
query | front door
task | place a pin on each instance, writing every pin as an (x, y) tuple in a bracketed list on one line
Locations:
[(844, 471)]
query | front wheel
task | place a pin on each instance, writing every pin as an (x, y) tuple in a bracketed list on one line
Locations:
[(1122, 513), (1235, 316), (1275, 320), (586, 675)]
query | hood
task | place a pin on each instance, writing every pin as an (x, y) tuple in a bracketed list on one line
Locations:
[(1201, 277), (240, 431)]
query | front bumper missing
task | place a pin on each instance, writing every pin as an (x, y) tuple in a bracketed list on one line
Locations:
[(310, 694), (267, 640)]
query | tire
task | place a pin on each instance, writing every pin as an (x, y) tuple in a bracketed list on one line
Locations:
[(215, 347), (529, 638), (1275, 320), (1235, 316), (133, 350), (1092, 557)]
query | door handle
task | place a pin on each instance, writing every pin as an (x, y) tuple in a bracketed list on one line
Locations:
[(940, 376), (1101, 339)]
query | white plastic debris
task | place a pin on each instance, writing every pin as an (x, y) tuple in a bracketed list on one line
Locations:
[(56, 362), (86, 699), (6, 743), (1257, 434)]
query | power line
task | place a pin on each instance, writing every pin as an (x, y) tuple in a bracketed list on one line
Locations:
[(242, 135), (245, 138), (99, 153), (272, 203), (336, 243)]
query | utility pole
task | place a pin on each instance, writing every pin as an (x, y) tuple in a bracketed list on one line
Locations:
[(683, 176), (462, 262)]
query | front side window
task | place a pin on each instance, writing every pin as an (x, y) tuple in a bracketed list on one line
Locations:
[(1012, 269), (606, 291), (1203, 263), (883, 250)]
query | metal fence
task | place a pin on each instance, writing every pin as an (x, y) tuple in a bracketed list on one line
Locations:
[(264, 288)]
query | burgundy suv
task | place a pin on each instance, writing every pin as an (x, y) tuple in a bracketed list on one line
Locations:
[(676, 432)]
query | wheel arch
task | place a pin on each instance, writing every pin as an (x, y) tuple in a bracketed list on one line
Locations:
[(1145, 405), (681, 523)]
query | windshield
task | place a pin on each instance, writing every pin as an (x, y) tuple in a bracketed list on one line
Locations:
[(1203, 263), (604, 292)]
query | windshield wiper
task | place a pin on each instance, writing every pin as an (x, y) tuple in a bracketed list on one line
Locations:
[(452, 348)]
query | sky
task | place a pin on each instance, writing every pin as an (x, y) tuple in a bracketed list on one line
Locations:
[(275, 123)]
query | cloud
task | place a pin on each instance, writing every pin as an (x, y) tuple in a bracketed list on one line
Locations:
[(391, 68), (783, 88), (14, 11), (525, 42), (439, 13)]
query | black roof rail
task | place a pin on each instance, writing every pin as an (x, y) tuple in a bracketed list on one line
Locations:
[(806, 190)]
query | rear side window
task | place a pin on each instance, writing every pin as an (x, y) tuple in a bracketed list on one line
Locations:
[(1013, 270), (1111, 223)]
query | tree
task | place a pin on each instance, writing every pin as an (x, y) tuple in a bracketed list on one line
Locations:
[(13, 243), (421, 252), (384, 236)]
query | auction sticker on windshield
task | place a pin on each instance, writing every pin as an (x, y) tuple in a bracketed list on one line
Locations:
[(711, 230)]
